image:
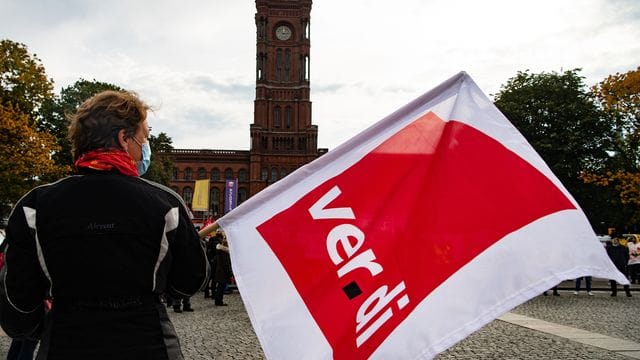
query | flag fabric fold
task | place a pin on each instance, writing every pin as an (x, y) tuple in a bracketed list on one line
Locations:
[(408, 237)]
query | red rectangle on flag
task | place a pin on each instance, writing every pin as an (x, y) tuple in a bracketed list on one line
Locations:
[(364, 248)]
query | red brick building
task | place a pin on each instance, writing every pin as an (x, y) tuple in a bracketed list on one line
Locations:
[(282, 136)]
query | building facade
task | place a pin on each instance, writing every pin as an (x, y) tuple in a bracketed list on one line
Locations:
[(282, 135)]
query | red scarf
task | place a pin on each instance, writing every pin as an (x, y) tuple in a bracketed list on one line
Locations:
[(107, 160)]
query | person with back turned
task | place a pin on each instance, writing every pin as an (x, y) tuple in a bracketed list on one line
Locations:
[(619, 255), (103, 245)]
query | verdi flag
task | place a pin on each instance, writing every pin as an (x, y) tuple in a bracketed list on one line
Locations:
[(408, 237), (200, 200), (230, 195)]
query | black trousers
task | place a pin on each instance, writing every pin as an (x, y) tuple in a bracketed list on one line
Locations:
[(220, 286), (614, 287)]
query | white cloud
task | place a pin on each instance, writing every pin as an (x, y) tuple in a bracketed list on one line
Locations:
[(195, 60)]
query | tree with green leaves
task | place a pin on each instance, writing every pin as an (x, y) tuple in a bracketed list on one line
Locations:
[(23, 81), (558, 116), (161, 167), (56, 110)]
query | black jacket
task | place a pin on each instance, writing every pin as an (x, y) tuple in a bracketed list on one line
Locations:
[(619, 255), (103, 246), (223, 266)]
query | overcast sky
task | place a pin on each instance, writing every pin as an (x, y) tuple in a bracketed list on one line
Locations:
[(194, 60)]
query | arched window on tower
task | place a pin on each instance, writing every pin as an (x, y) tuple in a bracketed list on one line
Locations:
[(279, 65), (228, 174), (259, 66), (187, 174), (274, 174), (306, 31), (276, 117), (288, 117), (262, 24), (202, 174), (306, 68), (287, 64), (264, 176)]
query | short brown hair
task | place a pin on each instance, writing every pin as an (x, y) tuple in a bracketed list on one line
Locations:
[(99, 119)]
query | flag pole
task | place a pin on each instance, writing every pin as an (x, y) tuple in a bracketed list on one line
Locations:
[(208, 229)]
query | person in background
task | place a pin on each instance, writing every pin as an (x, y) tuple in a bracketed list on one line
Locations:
[(634, 260), (619, 255), (103, 245), (211, 244), (223, 270), (588, 280)]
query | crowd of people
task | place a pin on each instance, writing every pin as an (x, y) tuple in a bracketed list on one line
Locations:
[(623, 252), (220, 274)]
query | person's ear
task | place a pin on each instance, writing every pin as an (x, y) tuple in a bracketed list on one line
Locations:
[(122, 139)]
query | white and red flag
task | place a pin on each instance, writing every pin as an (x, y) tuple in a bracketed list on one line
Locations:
[(408, 237)]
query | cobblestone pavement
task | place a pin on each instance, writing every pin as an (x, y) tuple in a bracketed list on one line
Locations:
[(225, 332), (616, 317), (216, 332)]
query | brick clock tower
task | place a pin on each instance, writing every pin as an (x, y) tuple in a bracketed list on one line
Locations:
[(282, 135)]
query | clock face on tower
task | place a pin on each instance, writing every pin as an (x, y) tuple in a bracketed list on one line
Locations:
[(283, 32)]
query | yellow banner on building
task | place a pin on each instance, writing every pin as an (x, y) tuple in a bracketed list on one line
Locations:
[(200, 200)]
